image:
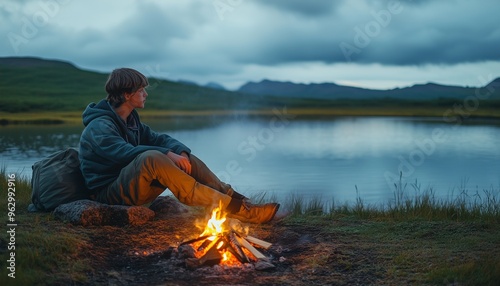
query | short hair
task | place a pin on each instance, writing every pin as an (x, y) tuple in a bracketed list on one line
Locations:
[(121, 81)]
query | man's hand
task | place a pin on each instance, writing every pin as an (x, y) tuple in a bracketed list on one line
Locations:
[(181, 161)]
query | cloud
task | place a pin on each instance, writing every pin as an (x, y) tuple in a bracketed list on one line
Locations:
[(305, 8), (436, 33), (189, 39), (416, 33)]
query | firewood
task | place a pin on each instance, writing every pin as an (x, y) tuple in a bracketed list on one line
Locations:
[(231, 240), (259, 242), (232, 249), (212, 244), (204, 245), (195, 240), (211, 257), (250, 248)]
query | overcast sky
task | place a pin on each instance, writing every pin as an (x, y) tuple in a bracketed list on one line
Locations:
[(374, 44)]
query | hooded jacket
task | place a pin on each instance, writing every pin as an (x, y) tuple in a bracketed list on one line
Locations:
[(108, 144)]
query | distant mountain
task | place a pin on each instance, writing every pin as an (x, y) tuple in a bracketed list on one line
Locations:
[(429, 91), (215, 85), (313, 90), (30, 84), (494, 85)]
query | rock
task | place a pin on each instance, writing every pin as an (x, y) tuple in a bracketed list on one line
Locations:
[(87, 212), (263, 265), (192, 263), (165, 206), (186, 251)]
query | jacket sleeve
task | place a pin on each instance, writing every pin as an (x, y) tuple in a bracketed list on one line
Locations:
[(103, 137), (152, 138)]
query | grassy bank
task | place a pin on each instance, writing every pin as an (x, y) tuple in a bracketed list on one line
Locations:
[(468, 205), (418, 240), (75, 117)]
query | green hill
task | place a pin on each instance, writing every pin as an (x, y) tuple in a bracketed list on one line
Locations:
[(35, 85), (30, 85)]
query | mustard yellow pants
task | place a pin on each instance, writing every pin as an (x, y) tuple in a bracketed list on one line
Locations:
[(151, 172)]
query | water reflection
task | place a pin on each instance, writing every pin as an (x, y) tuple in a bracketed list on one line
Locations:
[(19, 142), (314, 157)]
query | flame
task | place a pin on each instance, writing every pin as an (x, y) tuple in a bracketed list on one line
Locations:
[(214, 225), (214, 228)]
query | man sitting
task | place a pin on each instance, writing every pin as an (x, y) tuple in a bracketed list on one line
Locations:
[(124, 162)]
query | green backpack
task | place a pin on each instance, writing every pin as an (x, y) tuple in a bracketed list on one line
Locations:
[(57, 179)]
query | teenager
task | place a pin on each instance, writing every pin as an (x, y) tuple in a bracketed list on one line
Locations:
[(125, 162)]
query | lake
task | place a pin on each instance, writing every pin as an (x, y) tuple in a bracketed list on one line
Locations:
[(332, 158)]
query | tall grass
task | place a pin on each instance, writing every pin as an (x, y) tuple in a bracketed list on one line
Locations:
[(409, 201), (466, 205)]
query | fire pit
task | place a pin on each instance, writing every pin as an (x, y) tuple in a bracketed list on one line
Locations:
[(224, 241)]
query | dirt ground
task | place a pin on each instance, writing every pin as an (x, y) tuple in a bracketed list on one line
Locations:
[(302, 254)]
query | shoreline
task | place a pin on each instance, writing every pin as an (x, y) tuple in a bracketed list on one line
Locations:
[(74, 117), (359, 242)]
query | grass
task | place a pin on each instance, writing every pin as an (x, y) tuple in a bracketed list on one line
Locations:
[(419, 238), (43, 251), (481, 205), (75, 116)]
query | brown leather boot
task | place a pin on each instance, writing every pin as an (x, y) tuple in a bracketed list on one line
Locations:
[(256, 213)]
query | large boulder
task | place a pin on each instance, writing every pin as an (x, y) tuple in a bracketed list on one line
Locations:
[(87, 212)]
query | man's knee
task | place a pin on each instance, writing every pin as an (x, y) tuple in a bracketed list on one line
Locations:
[(152, 158), (196, 162), (151, 154)]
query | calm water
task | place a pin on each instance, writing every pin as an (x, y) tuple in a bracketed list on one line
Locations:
[(330, 158)]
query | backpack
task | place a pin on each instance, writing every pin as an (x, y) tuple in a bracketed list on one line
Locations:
[(57, 179)]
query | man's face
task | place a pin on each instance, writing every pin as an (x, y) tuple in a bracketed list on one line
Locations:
[(138, 98)]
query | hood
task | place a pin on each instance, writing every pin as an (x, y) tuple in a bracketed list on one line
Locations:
[(104, 111), (100, 109)]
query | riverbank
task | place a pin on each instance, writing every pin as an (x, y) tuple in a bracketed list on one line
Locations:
[(74, 117), (417, 241)]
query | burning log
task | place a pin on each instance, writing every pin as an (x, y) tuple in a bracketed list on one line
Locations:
[(234, 247), (211, 245), (211, 257), (250, 248), (256, 241), (219, 243), (195, 240)]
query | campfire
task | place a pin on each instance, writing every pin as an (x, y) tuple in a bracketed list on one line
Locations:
[(223, 241)]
